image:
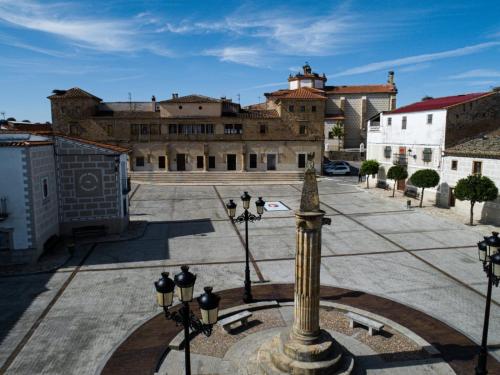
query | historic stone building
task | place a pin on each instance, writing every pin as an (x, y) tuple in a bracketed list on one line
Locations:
[(347, 106), (198, 133)]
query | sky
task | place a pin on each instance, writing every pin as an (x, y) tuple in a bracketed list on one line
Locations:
[(240, 49)]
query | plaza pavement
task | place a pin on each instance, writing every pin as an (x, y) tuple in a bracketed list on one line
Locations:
[(69, 321)]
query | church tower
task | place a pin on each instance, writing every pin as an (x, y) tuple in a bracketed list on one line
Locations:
[(306, 79)]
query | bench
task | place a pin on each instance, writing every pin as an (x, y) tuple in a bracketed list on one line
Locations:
[(412, 193), (372, 325), (240, 317), (90, 230)]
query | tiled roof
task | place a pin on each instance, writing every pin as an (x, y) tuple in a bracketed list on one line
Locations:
[(74, 92), (361, 89), (301, 93), (31, 128), (440, 103), (192, 99), (487, 146), (98, 144), (265, 113)]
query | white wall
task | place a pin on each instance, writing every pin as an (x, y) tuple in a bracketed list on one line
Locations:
[(487, 212), (12, 185)]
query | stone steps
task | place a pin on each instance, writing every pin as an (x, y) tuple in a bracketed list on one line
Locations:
[(216, 177)]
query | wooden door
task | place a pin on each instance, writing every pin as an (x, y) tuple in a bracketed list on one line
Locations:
[(271, 162), (181, 162), (231, 162), (161, 162)]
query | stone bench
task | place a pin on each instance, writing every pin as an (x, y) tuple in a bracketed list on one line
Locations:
[(372, 325), (230, 320)]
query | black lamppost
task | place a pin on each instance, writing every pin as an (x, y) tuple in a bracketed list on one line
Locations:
[(208, 302), (245, 217), (489, 254)]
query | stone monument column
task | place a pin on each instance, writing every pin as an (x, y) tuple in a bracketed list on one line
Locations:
[(243, 157), (167, 157), (205, 157), (306, 349)]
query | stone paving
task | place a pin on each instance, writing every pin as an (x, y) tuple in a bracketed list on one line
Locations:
[(68, 321)]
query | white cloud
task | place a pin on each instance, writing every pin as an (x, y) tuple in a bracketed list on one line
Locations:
[(477, 73), (105, 35), (240, 55), (390, 64), (414, 68), (287, 33)]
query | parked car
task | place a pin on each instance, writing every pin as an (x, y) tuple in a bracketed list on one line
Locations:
[(338, 169)]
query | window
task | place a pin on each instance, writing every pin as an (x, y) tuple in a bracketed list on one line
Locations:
[(477, 166), (139, 161), (454, 165), (233, 129), (291, 108), (301, 161), (45, 187), (313, 108), (211, 162), (427, 155), (172, 128), (144, 129), (180, 129), (403, 122), (330, 135), (209, 128), (429, 119), (180, 107), (155, 129), (302, 108), (302, 130), (387, 152), (253, 160), (199, 162), (263, 129), (389, 121), (200, 107)]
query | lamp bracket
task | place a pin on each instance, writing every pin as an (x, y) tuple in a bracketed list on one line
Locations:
[(251, 217), (195, 324)]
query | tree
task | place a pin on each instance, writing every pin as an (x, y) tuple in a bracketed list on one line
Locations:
[(424, 178), (338, 131), (475, 188), (396, 173), (369, 167)]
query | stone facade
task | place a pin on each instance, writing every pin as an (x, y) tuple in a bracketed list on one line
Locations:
[(90, 186), (196, 132), (53, 184)]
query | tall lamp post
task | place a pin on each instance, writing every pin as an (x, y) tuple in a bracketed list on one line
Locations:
[(489, 254), (245, 217), (208, 302)]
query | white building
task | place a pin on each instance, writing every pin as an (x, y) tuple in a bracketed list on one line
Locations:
[(416, 135), (477, 156), (52, 185)]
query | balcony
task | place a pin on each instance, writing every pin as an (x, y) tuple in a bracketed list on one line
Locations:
[(3, 209), (400, 159)]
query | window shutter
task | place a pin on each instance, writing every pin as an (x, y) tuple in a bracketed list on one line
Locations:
[(387, 152), (427, 154)]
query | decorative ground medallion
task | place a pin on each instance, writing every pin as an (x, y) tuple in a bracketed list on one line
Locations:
[(88, 183)]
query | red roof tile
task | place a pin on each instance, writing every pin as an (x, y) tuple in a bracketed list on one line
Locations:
[(261, 113), (362, 89), (74, 92), (97, 144), (307, 93), (440, 103), (195, 98)]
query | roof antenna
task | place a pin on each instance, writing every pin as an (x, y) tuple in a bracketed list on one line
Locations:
[(239, 97)]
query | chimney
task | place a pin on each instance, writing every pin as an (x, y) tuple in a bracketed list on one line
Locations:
[(175, 95), (153, 103), (390, 77)]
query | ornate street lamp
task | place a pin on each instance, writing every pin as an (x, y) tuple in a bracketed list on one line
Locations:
[(208, 303), (245, 217), (489, 254)]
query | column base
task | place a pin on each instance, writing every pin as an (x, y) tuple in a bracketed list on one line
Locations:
[(284, 355)]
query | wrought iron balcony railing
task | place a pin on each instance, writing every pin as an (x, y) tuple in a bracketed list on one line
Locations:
[(400, 159)]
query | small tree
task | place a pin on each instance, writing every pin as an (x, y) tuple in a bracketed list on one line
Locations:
[(424, 178), (338, 131), (396, 173), (369, 167), (475, 188)]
